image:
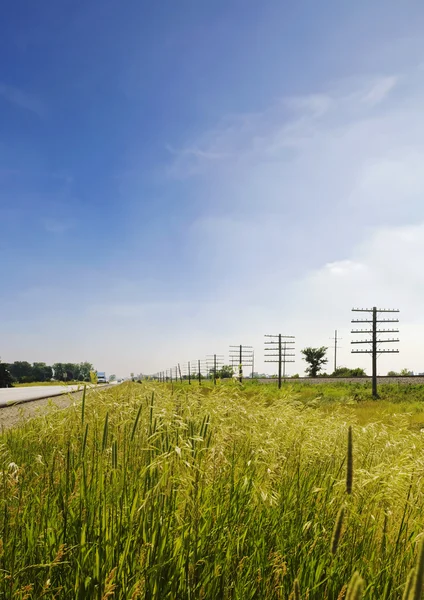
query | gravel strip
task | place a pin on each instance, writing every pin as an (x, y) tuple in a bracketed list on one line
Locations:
[(11, 416)]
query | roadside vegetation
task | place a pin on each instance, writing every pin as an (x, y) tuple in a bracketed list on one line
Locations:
[(236, 491), (40, 372)]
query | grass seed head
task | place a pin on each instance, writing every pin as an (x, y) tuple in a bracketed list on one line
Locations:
[(349, 470), (416, 593), (407, 593), (335, 539), (355, 589)]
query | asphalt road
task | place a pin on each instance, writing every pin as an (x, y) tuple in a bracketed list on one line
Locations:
[(25, 394)]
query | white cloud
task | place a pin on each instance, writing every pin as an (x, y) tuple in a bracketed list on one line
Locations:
[(380, 90)]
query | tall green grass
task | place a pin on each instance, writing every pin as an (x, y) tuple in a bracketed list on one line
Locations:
[(155, 492)]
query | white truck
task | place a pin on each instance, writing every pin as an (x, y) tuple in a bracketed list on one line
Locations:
[(101, 377)]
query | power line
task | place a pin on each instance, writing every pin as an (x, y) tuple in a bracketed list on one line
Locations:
[(285, 352), (217, 362), (335, 347), (375, 341), (201, 366), (245, 357)]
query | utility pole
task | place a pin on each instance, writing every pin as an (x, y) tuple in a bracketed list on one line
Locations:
[(245, 357), (284, 349), (375, 341), (218, 361), (335, 340), (200, 365), (189, 373)]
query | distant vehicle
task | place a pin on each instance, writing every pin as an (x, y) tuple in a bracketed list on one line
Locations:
[(101, 377)]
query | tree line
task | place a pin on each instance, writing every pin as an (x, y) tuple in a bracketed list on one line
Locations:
[(25, 372)]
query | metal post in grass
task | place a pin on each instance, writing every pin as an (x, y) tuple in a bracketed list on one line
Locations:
[(199, 373), (374, 340), (189, 373), (179, 369), (285, 352)]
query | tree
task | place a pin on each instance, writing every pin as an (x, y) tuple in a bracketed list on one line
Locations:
[(21, 371), (72, 371), (41, 372), (225, 372), (346, 372), (358, 372), (315, 357), (59, 371), (84, 371), (6, 379), (403, 373), (112, 377)]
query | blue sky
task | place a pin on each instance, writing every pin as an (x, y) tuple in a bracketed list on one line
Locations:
[(178, 177)]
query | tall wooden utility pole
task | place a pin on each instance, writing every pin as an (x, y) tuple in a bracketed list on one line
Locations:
[(200, 366), (244, 354), (285, 348), (375, 340), (218, 362), (335, 339)]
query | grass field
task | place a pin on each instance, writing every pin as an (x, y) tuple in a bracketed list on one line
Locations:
[(157, 491)]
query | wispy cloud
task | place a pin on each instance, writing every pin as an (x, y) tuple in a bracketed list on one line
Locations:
[(314, 104), (22, 99), (289, 124), (380, 90)]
